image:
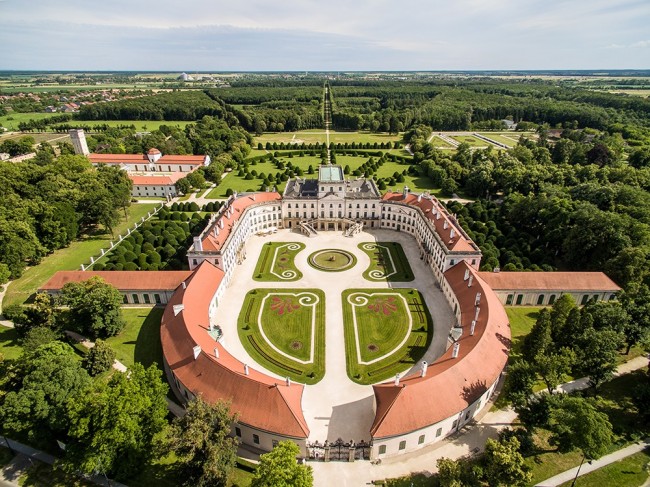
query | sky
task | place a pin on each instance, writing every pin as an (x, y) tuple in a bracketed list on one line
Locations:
[(324, 35)]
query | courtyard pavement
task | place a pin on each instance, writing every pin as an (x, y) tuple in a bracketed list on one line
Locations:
[(336, 407)]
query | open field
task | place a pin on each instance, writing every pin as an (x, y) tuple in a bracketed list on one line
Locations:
[(38, 137), (318, 135), (642, 93), (139, 341), (9, 346), (69, 258), (12, 119), (629, 472), (276, 262), (386, 332), (285, 332), (387, 262)]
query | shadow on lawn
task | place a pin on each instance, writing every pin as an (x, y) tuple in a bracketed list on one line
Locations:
[(148, 349)]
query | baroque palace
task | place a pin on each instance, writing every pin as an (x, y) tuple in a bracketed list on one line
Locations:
[(421, 408)]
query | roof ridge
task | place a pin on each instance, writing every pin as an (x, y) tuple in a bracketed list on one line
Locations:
[(388, 408), (300, 421)]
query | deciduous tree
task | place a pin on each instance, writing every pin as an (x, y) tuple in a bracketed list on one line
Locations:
[(200, 439), (279, 468)]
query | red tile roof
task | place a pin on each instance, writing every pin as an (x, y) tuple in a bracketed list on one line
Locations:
[(260, 401), (213, 242), (429, 205), (122, 280), (162, 180), (141, 158), (550, 281), (451, 384)]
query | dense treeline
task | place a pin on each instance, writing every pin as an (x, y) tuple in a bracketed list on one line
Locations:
[(47, 203), (399, 106), (178, 105), (575, 204)]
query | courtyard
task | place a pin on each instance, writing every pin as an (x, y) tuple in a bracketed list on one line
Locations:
[(299, 324)]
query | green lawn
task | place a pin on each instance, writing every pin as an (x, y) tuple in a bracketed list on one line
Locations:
[(471, 140), (383, 333), (332, 260), (276, 262), (522, 319), (291, 319), (387, 262), (140, 339), (499, 138), (615, 400), (69, 258), (45, 475), (439, 142), (12, 119), (9, 346), (629, 472), (313, 136)]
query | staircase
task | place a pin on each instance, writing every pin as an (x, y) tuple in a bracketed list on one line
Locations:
[(307, 228), (354, 229)]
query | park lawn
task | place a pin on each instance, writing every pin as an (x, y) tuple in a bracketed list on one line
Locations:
[(139, 341), (162, 473), (286, 322), (38, 137), (522, 319), (45, 475), (628, 472), (386, 258), (318, 135), (9, 346), (69, 258), (471, 140), (499, 138), (438, 142), (615, 400), (378, 330), (276, 262), (414, 480)]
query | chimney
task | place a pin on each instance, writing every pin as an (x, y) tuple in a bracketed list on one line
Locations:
[(452, 234), (216, 231), (221, 223), (477, 301), (397, 379), (470, 281), (437, 215), (478, 310), (466, 274), (184, 285), (454, 352), (423, 368), (471, 329), (197, 351), (254, 196), (245, 369), (445, 225), (405, 192), (178, 308), (216, 353), (419, 197), (288, 381), (198, 245)]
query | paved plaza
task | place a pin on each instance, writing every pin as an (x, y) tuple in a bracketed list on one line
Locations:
[(336, 407)]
